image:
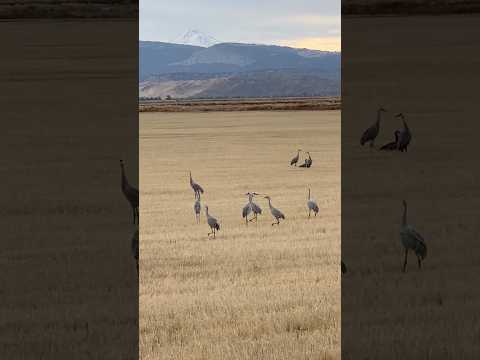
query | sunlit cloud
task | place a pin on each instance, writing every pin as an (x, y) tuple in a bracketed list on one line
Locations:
[(314, 43)]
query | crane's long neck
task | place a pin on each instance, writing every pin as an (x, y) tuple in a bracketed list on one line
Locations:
[(124, 177), (191, 180), (270, 203), (404, 217), (250, 198), (405, 125), (308, 194)]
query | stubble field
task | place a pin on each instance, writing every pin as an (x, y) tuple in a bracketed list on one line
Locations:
[(260, 291)]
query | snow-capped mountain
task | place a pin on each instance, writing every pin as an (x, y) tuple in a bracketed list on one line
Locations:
[(196, 38)]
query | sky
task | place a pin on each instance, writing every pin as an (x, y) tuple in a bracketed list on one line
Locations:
[(313, 24)]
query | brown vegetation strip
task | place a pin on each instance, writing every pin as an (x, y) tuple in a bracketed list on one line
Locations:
[(325, 103)]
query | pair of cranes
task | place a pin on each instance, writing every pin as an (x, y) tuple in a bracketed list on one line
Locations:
[(308, 161), (252, 207), (402, 137), (411, 240)]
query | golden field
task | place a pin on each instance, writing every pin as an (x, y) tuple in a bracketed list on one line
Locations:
[(260, 291)]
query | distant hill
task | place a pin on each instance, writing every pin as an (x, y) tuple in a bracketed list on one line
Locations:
[(233, 69)]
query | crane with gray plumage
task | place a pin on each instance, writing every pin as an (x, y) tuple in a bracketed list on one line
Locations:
[(130, 193), (308, 162), (212, 222), (372, 132), (251, 207), (134, 247), (197, 189), (392, 145), (411, 240), (312, 205), (277, 214), (294, 161), (197, 208), (405, 135)]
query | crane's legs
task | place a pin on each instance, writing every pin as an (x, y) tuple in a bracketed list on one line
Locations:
[(419, 262), (405, 262), (213, 232)]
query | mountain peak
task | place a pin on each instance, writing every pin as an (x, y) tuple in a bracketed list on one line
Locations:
[(196, 38)]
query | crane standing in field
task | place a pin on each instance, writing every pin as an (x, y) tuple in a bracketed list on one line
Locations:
[(212, 222), (131, 193), (294, 161), (277, 214), (405, 135), (411, 240), (251, 207), (392, 145), (197, 207), (308, 162), (372, 132), (134, 247), (312, 205), (197, 189)]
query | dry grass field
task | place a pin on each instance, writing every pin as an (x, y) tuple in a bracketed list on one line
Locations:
[(256, 292), (432, 313), (68, 284)]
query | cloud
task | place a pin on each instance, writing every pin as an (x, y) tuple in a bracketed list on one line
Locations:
[(316, 43)]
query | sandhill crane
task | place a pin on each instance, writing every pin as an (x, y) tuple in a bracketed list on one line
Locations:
[(308, 162), (197, 207), (134, 247), (130, 193), (197, 189), (277, 214), (294, 161), (372, 132), (392, 145), (312, 205), (411, 240), (344, 268), (212, 222), (405, 135), (251, 207)]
